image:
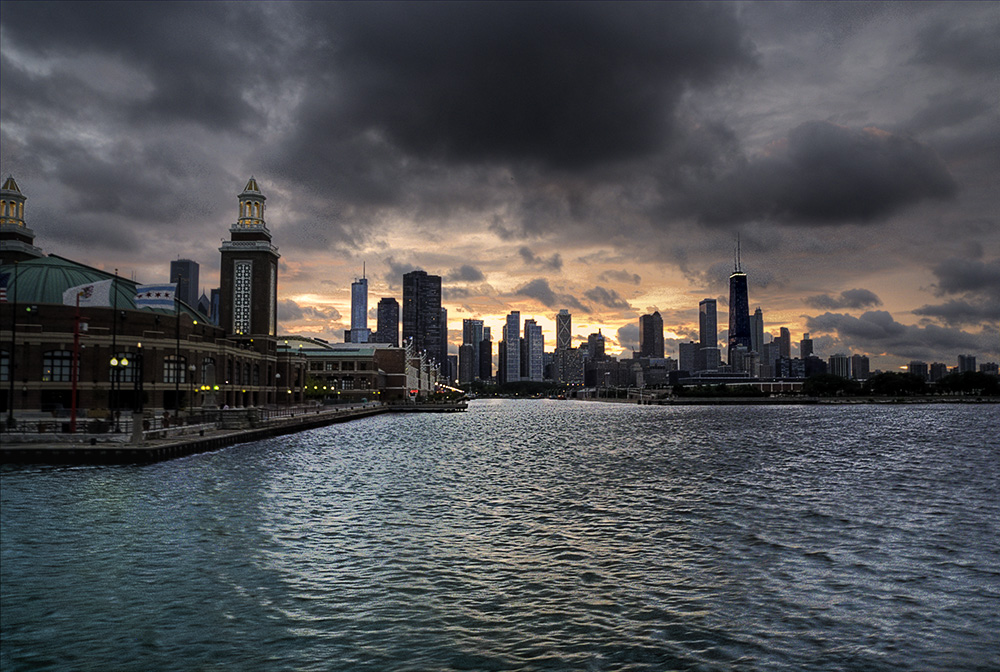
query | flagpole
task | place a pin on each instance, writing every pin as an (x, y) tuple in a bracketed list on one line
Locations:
[(177, 353), (115, 378), (76, 361), (13, 355)]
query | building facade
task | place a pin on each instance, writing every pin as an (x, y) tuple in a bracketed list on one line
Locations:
[(422, 313), (651, 335)]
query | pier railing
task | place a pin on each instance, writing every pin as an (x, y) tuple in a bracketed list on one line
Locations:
[(58, 427)]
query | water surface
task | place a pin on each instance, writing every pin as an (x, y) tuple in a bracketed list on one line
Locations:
[(524, 535)]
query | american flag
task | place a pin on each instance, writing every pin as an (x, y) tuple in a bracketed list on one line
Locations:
[(4, 279)]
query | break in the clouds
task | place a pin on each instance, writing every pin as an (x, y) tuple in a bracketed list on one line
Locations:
[(557, 155)]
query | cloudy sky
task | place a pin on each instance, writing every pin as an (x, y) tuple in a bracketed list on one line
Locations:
[(595, 157)]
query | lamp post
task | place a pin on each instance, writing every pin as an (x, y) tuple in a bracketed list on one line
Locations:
[(191, 369), (117, 366), (277, 384), (137, 385)]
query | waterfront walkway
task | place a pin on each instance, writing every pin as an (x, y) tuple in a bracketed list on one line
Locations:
[(163, 443)]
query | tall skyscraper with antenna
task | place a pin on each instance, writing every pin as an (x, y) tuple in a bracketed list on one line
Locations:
[(359, 332), (739, 308)]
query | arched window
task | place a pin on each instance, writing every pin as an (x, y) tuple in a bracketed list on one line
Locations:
[(208, 371), (57, 366), (174, 369)]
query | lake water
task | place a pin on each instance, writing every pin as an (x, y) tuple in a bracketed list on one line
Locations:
[(524, 535)]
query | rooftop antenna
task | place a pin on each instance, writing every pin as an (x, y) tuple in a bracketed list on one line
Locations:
[(738, 270), (362, 270)]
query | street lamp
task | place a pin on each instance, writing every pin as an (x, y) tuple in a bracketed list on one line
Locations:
[(277, 384), (117, 366)]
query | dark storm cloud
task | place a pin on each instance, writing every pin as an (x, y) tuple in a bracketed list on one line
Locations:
[(540, 290), (290, 311), (563, 84), (960, 312), (851, 298), (967, 48), (825, 173), (620, 276), (877, 332), (978, 284), (553, 263), (199, 59), (628, 336), (607, 297), (957, 276), (397, 269), (465, 273)]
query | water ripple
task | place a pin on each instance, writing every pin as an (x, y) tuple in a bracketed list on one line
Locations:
[(524, 535)]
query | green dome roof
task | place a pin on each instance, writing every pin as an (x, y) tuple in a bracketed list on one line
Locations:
[(44, 280)]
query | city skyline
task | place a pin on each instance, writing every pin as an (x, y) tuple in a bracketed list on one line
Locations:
[(852, 147)]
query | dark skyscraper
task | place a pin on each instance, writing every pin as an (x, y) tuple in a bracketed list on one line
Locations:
[(185, 273), (739, 309), (651, 335), (708, 324), (387, 325), (422, 313)]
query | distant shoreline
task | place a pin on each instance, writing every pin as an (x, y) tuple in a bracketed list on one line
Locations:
[(801, 401)]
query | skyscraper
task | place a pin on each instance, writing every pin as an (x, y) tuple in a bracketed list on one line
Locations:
[(651, 335), (784, 341), (805, 346), (472, 334), (564, 330), (359, 311), (708, 325), (486, 355), (739, 308), (422, 313), (757, 331), (534, 347), (388, 321), (446, 362), (512, 347), (185, 273), (707, 357), (595, 346)]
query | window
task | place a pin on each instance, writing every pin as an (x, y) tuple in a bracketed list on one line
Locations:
[(126, 373), (256, 374), (57, 366), (4, 365), (208, 370), (174, 369)]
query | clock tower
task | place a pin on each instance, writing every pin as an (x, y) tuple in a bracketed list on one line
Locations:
[(248, 298)]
